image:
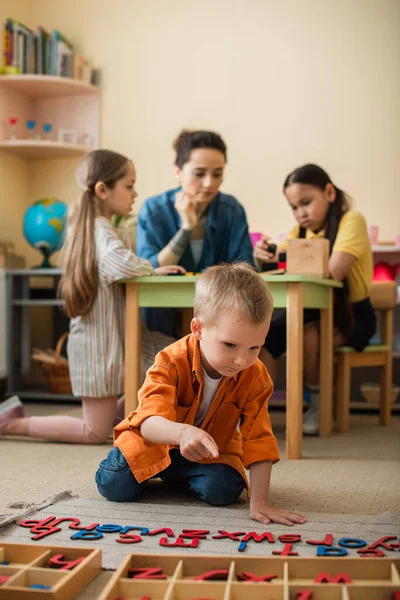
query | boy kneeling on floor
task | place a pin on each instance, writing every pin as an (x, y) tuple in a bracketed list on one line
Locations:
[(199, 388)]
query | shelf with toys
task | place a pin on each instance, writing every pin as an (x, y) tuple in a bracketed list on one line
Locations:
[(48, 117)]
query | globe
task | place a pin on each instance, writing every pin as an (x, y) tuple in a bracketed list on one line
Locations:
[(44, 226)]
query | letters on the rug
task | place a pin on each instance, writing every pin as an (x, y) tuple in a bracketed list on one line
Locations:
[(191, 538)]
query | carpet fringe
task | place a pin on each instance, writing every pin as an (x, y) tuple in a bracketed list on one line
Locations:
[(29, 508)]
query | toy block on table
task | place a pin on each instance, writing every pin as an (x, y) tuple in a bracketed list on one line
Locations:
[(198, 576), (52, 572), (308, 257)]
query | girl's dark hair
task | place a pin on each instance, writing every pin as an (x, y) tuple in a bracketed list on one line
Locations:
[(189, 140), (314, 175)]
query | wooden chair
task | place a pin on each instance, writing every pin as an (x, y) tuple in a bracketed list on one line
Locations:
[(383, 299)]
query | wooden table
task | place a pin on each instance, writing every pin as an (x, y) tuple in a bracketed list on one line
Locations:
[(293, 292)]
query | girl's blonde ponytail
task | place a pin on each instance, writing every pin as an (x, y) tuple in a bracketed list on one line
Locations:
[(78, 286), (79, 281)]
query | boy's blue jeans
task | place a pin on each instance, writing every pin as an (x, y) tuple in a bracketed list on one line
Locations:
[(216, 483)]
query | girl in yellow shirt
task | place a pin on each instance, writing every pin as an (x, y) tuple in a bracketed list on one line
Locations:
[(323, 210)]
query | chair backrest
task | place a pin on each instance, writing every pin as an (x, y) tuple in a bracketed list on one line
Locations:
[(383, 295), (383, 298)]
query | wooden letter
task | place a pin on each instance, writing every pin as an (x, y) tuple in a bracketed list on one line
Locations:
[(179, 542), (216, 575), (325, 542), (58, 562), (286, 551), (326, 578), (226, 534), (146, 573)]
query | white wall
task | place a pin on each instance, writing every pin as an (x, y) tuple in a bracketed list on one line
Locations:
[(284, 81)]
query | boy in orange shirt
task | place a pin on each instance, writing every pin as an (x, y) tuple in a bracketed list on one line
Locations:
[(199, 388)]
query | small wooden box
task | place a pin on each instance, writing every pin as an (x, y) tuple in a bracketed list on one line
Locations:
[(308, 257), (371, 579), (24, 565)]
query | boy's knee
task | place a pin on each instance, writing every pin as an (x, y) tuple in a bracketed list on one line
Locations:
[(219, 488), (115, 480)]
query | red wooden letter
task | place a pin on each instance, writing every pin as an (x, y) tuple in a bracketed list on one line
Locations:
[(291, 538), (252, 535), (286, 551), (166, 531), (326, 542), (146, 573), (216, 575), (128, 538), (370, 553), (58, 562), (85, 527), (226, 534), (179, 542), (304, 595), (382, 542), (247, 576), (194, 533), (326, 578)]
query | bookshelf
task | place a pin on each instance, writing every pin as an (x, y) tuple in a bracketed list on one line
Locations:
[(43, 168), (62, 102), (48, 85)]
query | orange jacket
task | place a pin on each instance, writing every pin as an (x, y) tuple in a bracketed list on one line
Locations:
[(173, 389)]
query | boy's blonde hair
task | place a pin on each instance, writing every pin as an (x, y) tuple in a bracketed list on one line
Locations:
[(235, 288)]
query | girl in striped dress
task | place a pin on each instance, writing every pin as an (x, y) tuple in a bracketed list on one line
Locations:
[(94, 259)]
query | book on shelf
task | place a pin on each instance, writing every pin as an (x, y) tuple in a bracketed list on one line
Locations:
[(43, 44), (62, 55), (42, 53), (19, 43)]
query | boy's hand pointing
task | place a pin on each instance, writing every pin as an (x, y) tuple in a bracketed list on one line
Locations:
[(196, 444)]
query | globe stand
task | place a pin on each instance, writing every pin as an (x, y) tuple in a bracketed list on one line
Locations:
[(46, 264)]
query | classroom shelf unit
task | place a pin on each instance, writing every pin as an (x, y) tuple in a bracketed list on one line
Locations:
[(19, 301)]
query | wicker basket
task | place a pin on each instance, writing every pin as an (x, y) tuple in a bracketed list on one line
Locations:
[(370, 391), (57, 374)]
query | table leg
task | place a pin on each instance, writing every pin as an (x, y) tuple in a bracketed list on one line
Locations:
[(132, 347), (294, 370), (326, 368)]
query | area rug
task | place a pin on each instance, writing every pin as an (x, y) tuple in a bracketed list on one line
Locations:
[(156, 528)]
